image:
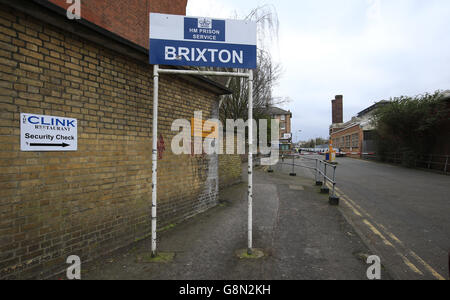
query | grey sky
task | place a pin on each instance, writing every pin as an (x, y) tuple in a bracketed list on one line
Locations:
[(367, 50)]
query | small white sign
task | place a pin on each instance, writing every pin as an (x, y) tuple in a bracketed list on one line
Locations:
[(287, 136), (48, 133)]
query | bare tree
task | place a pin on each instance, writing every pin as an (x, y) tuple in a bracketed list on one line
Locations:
[(266, 75)]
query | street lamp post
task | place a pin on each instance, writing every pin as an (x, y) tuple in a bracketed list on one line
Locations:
[(297, 134)]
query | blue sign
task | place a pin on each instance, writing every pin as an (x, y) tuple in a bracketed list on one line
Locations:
[(203, 42)]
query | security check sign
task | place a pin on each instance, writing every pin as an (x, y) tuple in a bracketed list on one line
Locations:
[(188, 41), (48, 133)]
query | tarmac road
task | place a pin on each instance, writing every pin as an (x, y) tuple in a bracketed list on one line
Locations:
[(403, 215)]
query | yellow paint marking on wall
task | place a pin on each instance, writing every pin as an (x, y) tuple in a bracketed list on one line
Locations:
[(202, 128), (427, 266)]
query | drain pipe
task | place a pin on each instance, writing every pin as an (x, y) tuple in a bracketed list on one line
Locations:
[(250, 162), (155, 155)]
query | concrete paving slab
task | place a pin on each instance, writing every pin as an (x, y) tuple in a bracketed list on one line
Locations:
[(301, 235)]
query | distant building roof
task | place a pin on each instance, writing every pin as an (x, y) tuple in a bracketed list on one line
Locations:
[(276, 111), (373, 107)]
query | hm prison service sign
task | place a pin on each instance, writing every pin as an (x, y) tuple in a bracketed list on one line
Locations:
[(48, 133), (187, 41)]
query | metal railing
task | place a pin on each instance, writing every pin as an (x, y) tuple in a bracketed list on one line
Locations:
[(332, 180), (322, 172), (422, 161)]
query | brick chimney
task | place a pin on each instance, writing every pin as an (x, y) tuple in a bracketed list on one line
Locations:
[(338, 110)]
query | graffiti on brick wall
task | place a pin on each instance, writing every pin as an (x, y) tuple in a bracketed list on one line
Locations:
[(161, 147)]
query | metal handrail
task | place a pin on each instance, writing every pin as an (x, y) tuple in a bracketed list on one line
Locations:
[(325, 177), (321, 171), (427, 161)]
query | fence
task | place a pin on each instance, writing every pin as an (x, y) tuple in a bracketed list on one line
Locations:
[(321, 170), (423, 161)]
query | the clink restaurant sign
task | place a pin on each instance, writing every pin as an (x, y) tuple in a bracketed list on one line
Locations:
[(187, 41), (48, 133)]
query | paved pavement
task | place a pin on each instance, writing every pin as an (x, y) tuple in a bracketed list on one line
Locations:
[(403, 215), (303, 238)]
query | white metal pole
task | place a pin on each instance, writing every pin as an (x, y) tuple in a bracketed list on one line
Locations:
[(155, 155), (200, 73), (250, 162)]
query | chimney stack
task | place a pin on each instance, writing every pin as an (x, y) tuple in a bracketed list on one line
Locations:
[(338, 110)]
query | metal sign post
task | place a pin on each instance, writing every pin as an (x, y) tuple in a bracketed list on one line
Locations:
[(155, 155), (185, 41), (250, 163)]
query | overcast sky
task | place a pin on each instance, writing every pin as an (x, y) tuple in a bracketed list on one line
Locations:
[(366, 50)]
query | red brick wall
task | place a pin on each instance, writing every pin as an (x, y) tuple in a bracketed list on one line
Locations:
[(128, 19), (337, 109), (348, 132)]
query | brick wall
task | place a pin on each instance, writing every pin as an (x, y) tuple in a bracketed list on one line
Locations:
[(230, 167), (97, 199), (348, 132), (288, 124), (287, 121), (129, 19), (337, 109)]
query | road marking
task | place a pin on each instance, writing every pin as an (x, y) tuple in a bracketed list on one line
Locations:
[(407, 262), (411, 265), (355, 211), (353, 206), (354, 203), (427, 266), (377, 232)]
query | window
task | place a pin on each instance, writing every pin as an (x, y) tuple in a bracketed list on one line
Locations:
[(283, 126), (355, 140), (283, 118), (347, 141), (284, 147), (369, 135)]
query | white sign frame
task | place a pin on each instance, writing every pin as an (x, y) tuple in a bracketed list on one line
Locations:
[(157, 71)]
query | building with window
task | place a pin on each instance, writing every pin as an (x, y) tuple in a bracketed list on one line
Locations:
[(97, 199), (355, 138), (285, 118)]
